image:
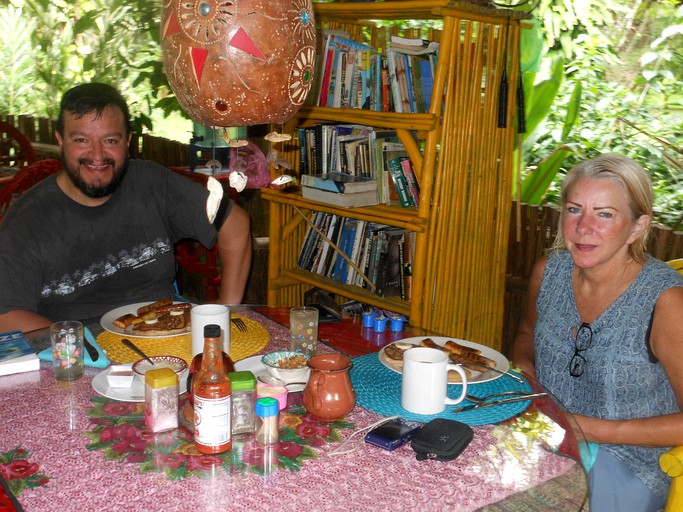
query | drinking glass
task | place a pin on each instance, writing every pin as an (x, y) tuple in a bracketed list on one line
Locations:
[(303, 330), (67, 349)]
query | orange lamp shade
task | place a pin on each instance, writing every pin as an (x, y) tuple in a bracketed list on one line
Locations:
[(238, 62)]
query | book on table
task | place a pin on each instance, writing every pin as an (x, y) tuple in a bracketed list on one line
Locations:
[(16, 354), (367, 198)]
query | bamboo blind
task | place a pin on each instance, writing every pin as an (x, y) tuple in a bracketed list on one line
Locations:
[(467, 236)]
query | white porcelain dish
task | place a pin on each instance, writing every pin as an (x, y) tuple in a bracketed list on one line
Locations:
[(135, 393), (107, 321), (254, 365), (501, 361)]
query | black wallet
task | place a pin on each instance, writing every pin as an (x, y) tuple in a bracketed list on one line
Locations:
[(442, 439)]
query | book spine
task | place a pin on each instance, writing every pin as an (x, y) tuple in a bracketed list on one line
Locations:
[(303, 152), (393, 82), (394, 165), (411, 181), (384, 74)]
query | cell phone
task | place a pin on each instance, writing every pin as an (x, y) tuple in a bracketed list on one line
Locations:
[(392, 434)]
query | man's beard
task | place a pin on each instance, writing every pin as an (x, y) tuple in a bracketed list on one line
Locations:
[(93, 191)]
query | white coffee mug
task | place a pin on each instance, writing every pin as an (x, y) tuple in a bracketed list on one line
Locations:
[(207, 314), (425, 381)]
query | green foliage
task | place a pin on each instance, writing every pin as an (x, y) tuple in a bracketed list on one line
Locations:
[(16, 66), (63, 43), (582, 102)]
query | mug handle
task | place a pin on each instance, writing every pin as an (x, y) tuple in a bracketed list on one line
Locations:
[(463, 377)]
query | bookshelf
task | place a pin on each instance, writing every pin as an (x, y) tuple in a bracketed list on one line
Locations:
[(462, 159)]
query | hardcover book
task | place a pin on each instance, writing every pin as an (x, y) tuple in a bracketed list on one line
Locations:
[(339, 182), (368, 198)]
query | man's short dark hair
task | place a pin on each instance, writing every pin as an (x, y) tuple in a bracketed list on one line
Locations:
[(93, 97)]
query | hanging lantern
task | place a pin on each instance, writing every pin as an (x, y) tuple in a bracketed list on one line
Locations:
[(239, 62)]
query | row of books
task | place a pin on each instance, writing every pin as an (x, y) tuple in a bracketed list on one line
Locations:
[(381, 255), (349, 74), (355, 165)]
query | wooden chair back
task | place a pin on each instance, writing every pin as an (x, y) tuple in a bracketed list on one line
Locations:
[(15, 148), (24, 180)]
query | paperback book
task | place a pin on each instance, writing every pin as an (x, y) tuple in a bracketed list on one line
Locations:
[(16, 355)]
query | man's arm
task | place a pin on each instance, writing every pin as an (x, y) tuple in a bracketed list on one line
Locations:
[(234, 250), (21, 320)]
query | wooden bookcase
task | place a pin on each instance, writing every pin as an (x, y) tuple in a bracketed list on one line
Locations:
[(463, 161)]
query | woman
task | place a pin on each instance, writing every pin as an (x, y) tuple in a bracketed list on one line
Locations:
[(603, 332)]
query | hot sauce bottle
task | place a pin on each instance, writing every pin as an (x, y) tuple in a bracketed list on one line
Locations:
[(212, 394)]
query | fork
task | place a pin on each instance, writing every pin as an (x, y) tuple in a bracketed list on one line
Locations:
[(482, 399), (239, 323)]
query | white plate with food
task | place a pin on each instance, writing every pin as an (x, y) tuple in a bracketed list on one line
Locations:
[(161, 319), (465, 352), (133, 393), (254, 365)]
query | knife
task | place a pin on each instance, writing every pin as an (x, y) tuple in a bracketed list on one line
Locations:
[(94, 354), (498, 402), (488, 368)]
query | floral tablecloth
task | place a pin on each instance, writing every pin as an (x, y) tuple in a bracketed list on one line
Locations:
[(97, 459)]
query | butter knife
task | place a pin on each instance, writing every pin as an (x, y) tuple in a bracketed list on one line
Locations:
[(94, 354), (486, 368), (498, 402)]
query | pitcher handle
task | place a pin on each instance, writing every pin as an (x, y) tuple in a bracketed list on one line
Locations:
[(318, 381)]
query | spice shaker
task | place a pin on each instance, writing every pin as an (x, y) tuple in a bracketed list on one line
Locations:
[(267, 410), (161, 399), (243, 402)]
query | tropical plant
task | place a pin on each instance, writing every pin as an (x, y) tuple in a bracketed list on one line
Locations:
[(582, 102)]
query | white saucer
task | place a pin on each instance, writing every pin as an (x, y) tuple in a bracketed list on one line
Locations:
[(254, 365), (135, 393)]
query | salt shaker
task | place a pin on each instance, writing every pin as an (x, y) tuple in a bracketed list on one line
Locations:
[(243, 402), (267, 421), (161, 399)]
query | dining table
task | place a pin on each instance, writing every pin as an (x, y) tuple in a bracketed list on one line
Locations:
[(79, 446)]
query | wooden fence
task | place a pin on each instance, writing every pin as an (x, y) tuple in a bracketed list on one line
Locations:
[(532, 228)]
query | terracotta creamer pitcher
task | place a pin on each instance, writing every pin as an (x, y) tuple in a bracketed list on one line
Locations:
[(329, 395)]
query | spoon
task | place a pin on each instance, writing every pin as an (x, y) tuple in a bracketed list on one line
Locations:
[(137, 349)]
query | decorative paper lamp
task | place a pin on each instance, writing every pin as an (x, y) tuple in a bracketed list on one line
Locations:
[(238, 62)]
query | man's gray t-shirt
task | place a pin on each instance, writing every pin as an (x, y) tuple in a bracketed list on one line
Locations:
[(66, 261)]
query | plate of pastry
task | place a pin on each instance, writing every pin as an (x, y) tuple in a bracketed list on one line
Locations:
[(481, 363), (160, 319)]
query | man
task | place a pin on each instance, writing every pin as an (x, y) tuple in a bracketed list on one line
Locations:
[(100, 234)]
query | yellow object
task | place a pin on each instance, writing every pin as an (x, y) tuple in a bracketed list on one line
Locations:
[(671, 462), (242, 344), (677, 264), (161, 378)]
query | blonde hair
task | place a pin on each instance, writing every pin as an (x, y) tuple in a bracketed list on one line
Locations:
[(633, 180)]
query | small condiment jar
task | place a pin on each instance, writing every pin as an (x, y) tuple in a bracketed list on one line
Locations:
[(161, 400), (267, 410), (243, 402)]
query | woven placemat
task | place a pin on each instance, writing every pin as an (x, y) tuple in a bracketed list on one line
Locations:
[(242, 344), (379, 389)]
